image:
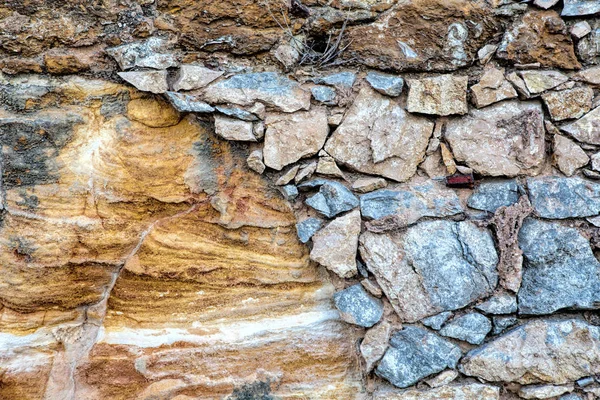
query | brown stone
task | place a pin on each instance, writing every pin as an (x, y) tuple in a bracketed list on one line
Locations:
[(570, 103), (375, 343), (441, 95), (465, 391), (492, 88), (568, 156), (64, 63)]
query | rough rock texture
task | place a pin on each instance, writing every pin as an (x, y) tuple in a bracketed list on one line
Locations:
[(472, 328), (558, 198), (568, 156), (442, 95), (469, 391), (568, 104), (586, 129), (375, 343), (332, 199), (503, 303), (492, 88), (540, 81), (491, 195), (358, 307)]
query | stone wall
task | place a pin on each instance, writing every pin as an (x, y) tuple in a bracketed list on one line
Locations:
[(303, 199)]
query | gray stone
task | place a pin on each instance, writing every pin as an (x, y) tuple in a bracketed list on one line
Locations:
[(555, 197), (234, 129), (571, 396), (439, 95), (560, 270), (358, 307), (268, 87), (462, 391), (390, 85), (414, 354), (580, 7), (332, 199), (502, 303), (544, 391), (538, 81), (307, 228), (191, 77), (290, 192), (586, 129), (407, 266), (588, 48), (341, 79), (472, 328), (323, 94), (580, 29), (436, 321), (151, 53), (491, 195), (147, 81), (503, 323), (237, 113), (187, 103)]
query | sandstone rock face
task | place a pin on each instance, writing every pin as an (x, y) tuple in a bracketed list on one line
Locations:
[(515, 130), (442, 95)]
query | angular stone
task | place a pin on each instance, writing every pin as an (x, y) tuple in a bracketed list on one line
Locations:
[(559, 269), (307, 228), (574, 8), (147, 81), (544, 391), (491, 195), (590, 75), (406, 266), (540, 81), (335, 245), (503, 323), (375, 343), (596, 161), (486, 53), (485, 93), (414, 354), (151, 53), (376, 127), (327, 166), (235, 112), (555, 197), (390, 85), (571, 396), (372, 287), (539, 37), (586, 129), (290, 137), (436, 321), (290, 192), (442, 379), (515, 131), (365, 185), (567, 104), (323, 94), (288, 176), (580, 29), (332, 199), (305, 172), (255, 162), (234, 129), (472, 328), (503, 303), (186, 103), (463, 391), (519, 84), (192, 77), (545, 4), (556, 351), (568, 156), (439, 95), (341, 79), (269, 87), (358, 307)]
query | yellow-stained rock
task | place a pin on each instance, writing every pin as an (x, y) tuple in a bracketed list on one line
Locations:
[(152, 111)]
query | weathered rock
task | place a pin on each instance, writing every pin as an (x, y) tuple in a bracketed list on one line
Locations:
[(153, 112), (235, 112), (390, 85), (540, 81), (332, 199), (187, 103), (491, 195), (151, 53), (464, 391), (307, 228), (335, 245), (540, 37), (269, 87), (545, 4), (486, 53), (436, 321), (255, 161), (407, 269), (234, 129), (305, 172), (492, 88), (323, 94), (372, 287), (290, 192), (503, 303), (571, 396), (503, 323), (365, 185), (580, 29), (415, 354), (558, 198), (519, 84), (587, 48), (287, 176), (568, 156), (574, 8), (567, 104), (327, 166), (514, 129), (147, 81), (541, 351), (590, 75), (472, 328), (560, 270), (586, 129), (290, 137), (439, 95), (544, 391), (358, 307), (377, 128), (341, 79), (442, 379), (375, 343), (191, 77), (595, 158)]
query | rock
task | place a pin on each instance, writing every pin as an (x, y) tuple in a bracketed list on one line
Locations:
[(192, 77), (290, 192), (335, 245), (514, 129), (290, 137), (59, 64), (554, 197), (519, 84), (540, 81), (287, 53), (492, 88), (341, 79), (305, 172), (153, 112), (415, 354), (448, 159), (332, 199), (372, 287), (151, 53), (147, 81), (486, 53), (559, 269), (187, 103), (585, 381), (258, 128), (439, 95), (323, 94), (235, 112), (358, 307), (580, 29), (377, 128), (568, 156), (567, 104), (365, 185), (234, 129), (544, 391), (442, 379), (587, 48), (491, 195), (503, 323), (574, 8), (502, 303), (436, 321), (328, 167), (591, 174), (375, 343), (596, 161), (541, 351), (288, 176), (406, 266), (255, 162), (571, 396), (268, 87), (463, 391), (408, 206), (472, 328), (590, 75), (307, 228), (586, 129), (545, 4), (390, 85), (539, 37)]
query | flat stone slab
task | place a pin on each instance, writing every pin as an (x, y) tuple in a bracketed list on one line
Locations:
[(556, 197), (358, 307), (150, 53), (192, 77), (147, 81), (187, 103)]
